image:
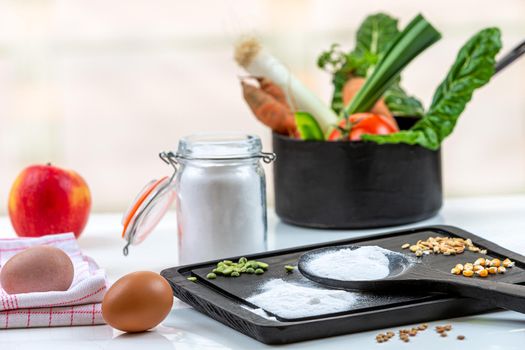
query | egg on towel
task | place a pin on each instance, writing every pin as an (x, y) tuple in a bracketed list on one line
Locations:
[(37, 269)]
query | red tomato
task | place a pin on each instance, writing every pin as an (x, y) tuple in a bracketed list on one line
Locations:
[(364, 123)]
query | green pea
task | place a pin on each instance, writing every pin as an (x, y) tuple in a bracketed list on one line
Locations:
[(250, 270), (259, 271), (211, 276), (235, 274), (227, 262), (192, 279), (289, 268), (227, 271), (243, 260), (262, 265)]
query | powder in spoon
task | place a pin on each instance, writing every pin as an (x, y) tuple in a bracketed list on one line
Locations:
[(288, 300), (363, 263)]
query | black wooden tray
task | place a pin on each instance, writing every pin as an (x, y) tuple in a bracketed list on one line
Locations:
[(224, 298)]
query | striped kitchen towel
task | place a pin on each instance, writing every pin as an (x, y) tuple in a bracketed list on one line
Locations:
[(79, 305)]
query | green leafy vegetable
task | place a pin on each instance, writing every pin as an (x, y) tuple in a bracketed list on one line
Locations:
[(308, 127), (401, 104), (332, 60), (416, 37), (338, 81), (336, 63), (373, 38), (473, 68)]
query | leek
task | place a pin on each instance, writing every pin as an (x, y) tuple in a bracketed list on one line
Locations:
[(250, 55), (414, 39)]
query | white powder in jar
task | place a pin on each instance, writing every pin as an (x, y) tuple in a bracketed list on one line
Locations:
[(288, 300), (221, 210), (363, 263)]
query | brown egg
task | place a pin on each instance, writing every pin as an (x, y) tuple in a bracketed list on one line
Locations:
[(137, 302), (37, 269)]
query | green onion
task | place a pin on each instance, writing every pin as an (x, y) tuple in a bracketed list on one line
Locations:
[(414, 39)]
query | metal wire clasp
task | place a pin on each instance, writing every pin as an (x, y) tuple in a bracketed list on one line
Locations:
[(170, 158), (267, 157)]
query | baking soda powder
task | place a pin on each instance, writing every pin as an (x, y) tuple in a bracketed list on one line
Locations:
[(289, 300), (363, 263), (221, 199)]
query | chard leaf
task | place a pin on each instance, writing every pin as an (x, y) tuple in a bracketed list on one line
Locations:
[(308, 127), (401, 104), (473, 68), (373, 38)]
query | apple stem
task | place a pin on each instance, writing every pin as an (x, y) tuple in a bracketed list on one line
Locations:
[(48, 163)]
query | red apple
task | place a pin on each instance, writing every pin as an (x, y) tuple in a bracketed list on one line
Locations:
[(45, 199)]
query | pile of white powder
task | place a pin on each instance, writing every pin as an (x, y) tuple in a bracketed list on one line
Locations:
[(363, 263), (288, 300)]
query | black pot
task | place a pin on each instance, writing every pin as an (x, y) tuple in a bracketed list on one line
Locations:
[(351, 185)]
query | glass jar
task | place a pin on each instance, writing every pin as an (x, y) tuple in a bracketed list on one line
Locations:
[(221, 197), (220, 192)]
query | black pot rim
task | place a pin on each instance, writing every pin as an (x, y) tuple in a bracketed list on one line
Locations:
[(360, 143)]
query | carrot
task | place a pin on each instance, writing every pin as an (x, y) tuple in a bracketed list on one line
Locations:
[(257, 61), (269, 108), (350, 89), (273, 90)]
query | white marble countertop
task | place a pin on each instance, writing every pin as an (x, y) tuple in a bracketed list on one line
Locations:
[(500, 219)]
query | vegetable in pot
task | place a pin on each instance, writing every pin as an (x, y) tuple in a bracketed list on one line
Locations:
[(353, 85), (400, 103), (268, 104), (250, 55), (416, 37), (368, 80), (307, 127), (373, 39), (473, 68), (356, 125)]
